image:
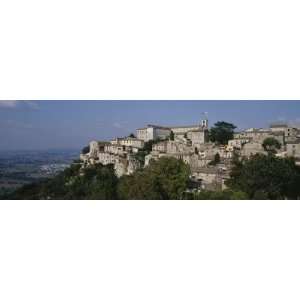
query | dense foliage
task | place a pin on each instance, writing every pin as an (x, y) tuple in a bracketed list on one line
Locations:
[(216, 160), (4, 193), (172, 136), (266, 177), (166, 178), (85, 149), (258, 177), (140, 156), (271, 145), (221, 132), (216, 195), (97, 182)]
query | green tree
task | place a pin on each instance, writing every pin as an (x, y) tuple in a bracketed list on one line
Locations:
[(94, 182), (266, 177), (140, 155), (131, 135), (166, 178), (238, 195), (221, 132), (216, 160), (148, 146), (85, 150), (216, 195), (172, 136), (271, 145)]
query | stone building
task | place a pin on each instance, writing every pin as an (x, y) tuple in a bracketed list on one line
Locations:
[(211, 178), (181, 130), (198, 136), (94, 149), (250, 141), (114, 149), (125, 165), (118, 152), (198, 133), (120, 166), (290, 133), (293, 149), (175, 147), (129, 142), (237, 143), (252, 148), (152, 132), (132, 165), (106, 158), (160, 147), (259, 135)]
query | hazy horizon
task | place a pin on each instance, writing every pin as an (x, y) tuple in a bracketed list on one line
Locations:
[(69, 125)]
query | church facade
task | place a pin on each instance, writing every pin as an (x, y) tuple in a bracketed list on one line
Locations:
[(152, 132)]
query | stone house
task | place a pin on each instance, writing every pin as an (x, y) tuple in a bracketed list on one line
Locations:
[(181, 130), (293, 149), (290, 133), (198, 136), (125, 165), (160, 147), (152, 132), (94, 149), (106, 158), (259, 135), (252, 148), (237, 143), (129, 142), (114, 149), (211, 178)]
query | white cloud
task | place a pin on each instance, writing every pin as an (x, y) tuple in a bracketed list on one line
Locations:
[(19, 103), (12, 124), (8, 103), (281, 119), (32, 104), (117, 125)]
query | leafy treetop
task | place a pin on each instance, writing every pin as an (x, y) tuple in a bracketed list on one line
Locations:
[(271, 145), (85, 150), (266, 177), (221, 132)]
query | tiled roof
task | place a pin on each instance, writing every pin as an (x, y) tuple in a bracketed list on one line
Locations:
[(278, 125), (185, 126)]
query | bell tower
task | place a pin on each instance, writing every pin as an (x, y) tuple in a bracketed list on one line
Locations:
[(204, 121)]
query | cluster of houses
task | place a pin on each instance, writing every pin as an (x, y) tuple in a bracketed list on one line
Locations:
[(191, 144)]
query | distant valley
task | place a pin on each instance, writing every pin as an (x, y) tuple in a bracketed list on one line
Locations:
[(22, 167)]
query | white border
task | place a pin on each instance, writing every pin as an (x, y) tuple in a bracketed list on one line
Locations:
[(161, 49), (149, 250)]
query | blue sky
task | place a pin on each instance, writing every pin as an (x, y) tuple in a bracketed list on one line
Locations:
[(27, 125)]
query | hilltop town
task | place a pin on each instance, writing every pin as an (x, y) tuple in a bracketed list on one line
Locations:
[(210, 162)]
